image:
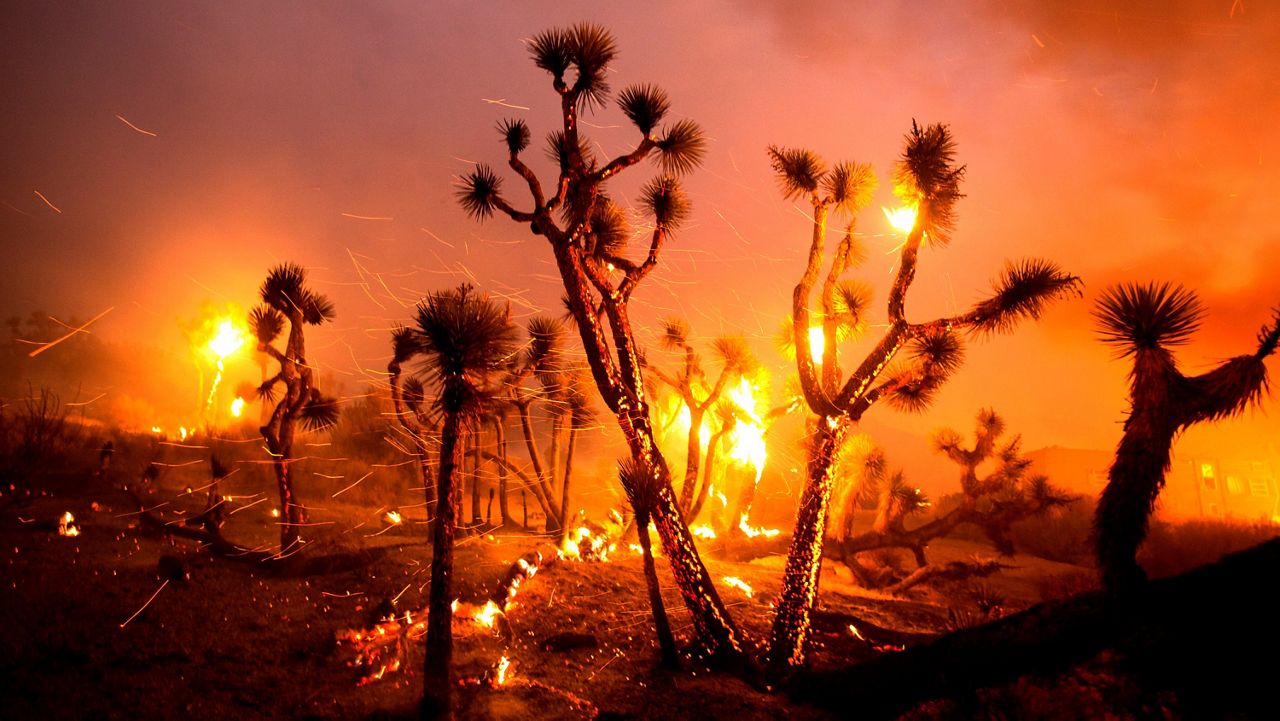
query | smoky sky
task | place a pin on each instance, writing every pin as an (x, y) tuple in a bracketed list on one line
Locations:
[(1125, 140)]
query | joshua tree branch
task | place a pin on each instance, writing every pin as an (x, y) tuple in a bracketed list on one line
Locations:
[(535, 187), (623, 162), (813, 392)]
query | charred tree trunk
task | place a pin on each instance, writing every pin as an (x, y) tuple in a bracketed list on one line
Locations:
[(804, 560), (500, 442), (693, 459), (666, 640), (437, 697), (568, 475)]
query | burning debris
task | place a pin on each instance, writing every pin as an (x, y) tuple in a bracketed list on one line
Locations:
[(67, 525), (383, 649), (739, 584)]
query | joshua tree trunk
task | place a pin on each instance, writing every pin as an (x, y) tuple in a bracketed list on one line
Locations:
[(713, 450), (500, 442), (476, 440), (568, 475), (666, 640), (541, 488), (804, 560), (437, 696), (693, 460)]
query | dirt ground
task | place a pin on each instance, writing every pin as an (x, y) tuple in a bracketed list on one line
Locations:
[(224, 639)]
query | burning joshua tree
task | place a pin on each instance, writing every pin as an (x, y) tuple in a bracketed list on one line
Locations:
[(587, 234), (465, 339), (928, 181), (287, 299), (1144, 322)]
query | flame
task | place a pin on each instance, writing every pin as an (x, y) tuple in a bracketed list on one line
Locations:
[(902, 219), (487, 614), (702, 530), (853, 631), (67, 525), (157, 430), (220, 335), (237, 407), (817, 343), (275, 512), (394, 518), (183, 432), (739, 584), (753, 531), (585, 545), (746, 442), (501, 676), (228, 337)]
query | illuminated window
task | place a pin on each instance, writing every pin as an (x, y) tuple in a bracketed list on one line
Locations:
[(1209, 476), (1234, 485)]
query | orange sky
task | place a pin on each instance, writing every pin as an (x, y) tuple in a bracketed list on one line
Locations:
[(1127, 141)]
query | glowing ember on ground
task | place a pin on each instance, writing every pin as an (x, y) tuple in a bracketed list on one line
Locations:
[(67, 525), (702, 530), (275, 512), (237, 407), (853, 631), (902, 219), (394, 518), (739, 584)]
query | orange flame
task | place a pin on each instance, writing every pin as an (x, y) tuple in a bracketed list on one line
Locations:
[(901, 219)]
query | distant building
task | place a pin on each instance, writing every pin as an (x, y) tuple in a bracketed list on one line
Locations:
[(1196, 486)]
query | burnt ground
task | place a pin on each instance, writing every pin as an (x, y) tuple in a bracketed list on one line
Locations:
[(226, 639)]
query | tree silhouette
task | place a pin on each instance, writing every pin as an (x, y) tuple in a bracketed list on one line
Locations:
[(690, 382), (587, 233), (464, 339), (927, 179), (992, 501), (1145, 322), (286, 300), (411, 410), (639, 486)]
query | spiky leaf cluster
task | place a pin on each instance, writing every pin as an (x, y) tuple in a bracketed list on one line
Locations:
[(933, 357), (586, 48), (285, 291), (681, 147), (1133, 317), (799, 171), (557, 150), (266, 323), (1023, 291), (319, 412), (464, 333), (850, 186), (734, 352), (675, 334), (515, 133), (478, 191), (927, 177), (664, 199), (645, 105), (607, 230)]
